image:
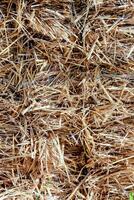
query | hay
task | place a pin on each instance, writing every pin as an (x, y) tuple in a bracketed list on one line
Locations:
[(66, 99)]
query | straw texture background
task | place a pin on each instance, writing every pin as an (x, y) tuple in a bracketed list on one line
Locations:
[(66, 99)]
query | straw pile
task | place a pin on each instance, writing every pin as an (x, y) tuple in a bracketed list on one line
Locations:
[(66, 99)]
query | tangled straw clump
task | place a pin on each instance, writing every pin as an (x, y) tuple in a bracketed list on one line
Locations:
[(66, 99)]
